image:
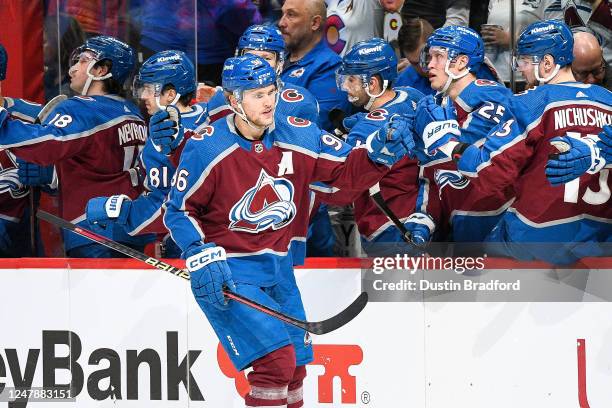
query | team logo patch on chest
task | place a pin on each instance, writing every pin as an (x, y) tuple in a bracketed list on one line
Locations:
[(269, 204), (450, 178)]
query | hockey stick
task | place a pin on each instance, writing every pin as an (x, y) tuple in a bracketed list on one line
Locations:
[(35, 191), (321, 327), (382, 206)]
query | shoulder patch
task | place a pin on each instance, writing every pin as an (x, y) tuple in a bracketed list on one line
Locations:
[(291, 95), (298, 122), (297, 73), (485, 82), (202, 133), (84, 98), (378, 114)]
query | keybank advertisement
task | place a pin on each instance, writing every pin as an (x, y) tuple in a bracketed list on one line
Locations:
[(136, 338)]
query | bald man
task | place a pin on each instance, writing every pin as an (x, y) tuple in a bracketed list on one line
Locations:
[(588, 65), (310, 62)]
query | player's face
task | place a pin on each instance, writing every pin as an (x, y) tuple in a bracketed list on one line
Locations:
[(78, 70), (269, 56), (353, 86), (436, 63), (414, 60), (147, 96), (259, 105), (525, 65)]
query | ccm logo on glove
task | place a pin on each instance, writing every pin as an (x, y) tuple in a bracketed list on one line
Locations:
[(205, 257)]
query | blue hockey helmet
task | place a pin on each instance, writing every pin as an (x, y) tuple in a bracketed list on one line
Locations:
[(108, 48), (550, 37), (369, 58), (3, 62), (166, 68), (247, 72), (261, 37), (455, 40)]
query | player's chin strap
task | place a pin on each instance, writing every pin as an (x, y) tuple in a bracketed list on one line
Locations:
[(366, 86), (92, 78), (542, 81), (174, 101), (452, 77)]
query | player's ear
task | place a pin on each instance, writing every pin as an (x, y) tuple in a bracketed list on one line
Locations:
[(170, 94), (549, 62), (375, 84), (231, 99)]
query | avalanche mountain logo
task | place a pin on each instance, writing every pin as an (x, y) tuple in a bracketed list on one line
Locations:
[(449, 177), (9, 180), (267, 205)]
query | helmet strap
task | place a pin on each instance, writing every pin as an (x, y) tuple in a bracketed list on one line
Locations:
[(542, 81), (174, 101), (368, 105), (90, 77), (452, 77)]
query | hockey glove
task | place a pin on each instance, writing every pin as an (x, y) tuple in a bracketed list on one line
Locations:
[(393, 141), (31, 174), (101, 211), (436, 125), (605, 144), (210, 273), (165, 130), (421, 226), (576, 157)]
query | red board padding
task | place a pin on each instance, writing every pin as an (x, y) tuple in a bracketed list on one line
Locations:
[(22, 36), (311, 263)]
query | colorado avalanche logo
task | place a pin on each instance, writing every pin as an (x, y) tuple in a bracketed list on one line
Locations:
[(291, 95), (9, 181), (297, 73), (378, 114), (297, 122), (201, 133), (267, 205), (450, 178), (485, 82)]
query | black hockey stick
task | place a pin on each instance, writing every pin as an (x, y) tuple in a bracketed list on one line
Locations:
[(382, 206), (322, 327)]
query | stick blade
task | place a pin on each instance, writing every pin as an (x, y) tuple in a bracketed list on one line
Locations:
[(341, 318)]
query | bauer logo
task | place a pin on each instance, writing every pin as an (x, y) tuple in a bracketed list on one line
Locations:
[(336, 359), (269, 204)]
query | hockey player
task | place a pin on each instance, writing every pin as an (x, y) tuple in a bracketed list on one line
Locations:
[(165, 79), (238, 210), (14, 210), (574, 216), (473, 106), (93, 139), (267, 42), (367, 74)]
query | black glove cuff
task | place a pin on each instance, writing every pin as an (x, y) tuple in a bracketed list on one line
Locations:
[(458, 151)]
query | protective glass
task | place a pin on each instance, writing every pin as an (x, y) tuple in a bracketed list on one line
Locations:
[(437, 54), (348, 82), (523, 62), (142, 90)]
